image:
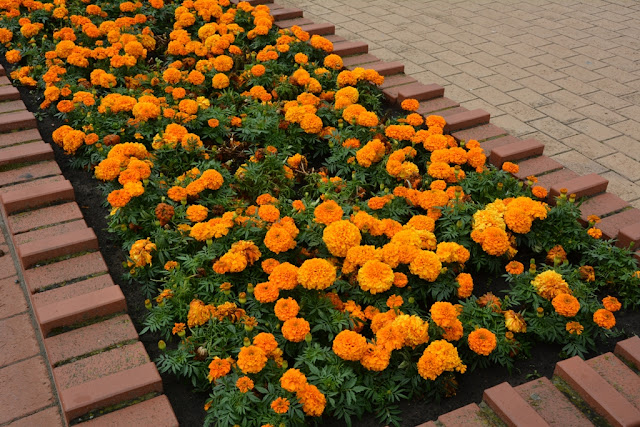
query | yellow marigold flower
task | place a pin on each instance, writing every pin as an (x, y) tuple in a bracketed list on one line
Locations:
[(313, 401), (574, 328), (550, 284), (218, 368), (286, 309), (426, 265), (328, 212), (244, 384), (482, 341), (340, 236), (349, 345), (295, 329), (514, 322), (375, 277), (251, 359), (611, 303), (604, 318), (293, 380), (316, 273)]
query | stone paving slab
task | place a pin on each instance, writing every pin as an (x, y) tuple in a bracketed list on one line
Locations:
[(561, 71)]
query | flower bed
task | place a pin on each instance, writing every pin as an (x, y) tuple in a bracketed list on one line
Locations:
[(305, 250)]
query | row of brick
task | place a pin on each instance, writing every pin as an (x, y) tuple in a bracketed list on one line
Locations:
[(91, 344), (604, 390), (619, 220)]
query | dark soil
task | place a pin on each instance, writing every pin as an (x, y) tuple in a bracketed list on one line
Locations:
[(188, 406)]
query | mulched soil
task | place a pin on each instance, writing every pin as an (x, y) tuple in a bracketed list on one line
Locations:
[(188, 405)]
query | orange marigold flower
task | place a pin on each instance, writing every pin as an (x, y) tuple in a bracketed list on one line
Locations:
[(539, 192), (171, 265), (293, 380), (550, 284), (436, 121), (280, 405), (244, 384), (328, 212), (177, 328), (400, 280), (266, 342), (587, 273), (556, 254), (438, 357), (510, 167), (268, 213), (284, 275), (574, 328), (197, 213), (465, 285), (316, 273), (375, 358), (177, 193), (349, 345), (444, 314), (266, 292), (410, 104), (394, 301), (286, 309), (218, 368), (251, 359), (604, 318), (375, 277), (333, 61), (514, 267), (594, 232), (566, 305), (426, 265), (514, 322), (340, 236), (278, 239), (295, 329), (313, 401), (482, 341), (119, 198), (611, 303)]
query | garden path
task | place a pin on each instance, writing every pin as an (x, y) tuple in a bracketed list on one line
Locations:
[(564, 72)]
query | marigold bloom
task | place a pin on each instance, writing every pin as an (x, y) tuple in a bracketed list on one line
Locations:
[(510, 167), (465, 285), (482, 341), (218, 368), (313, 401), (349, 345), (514, 322), (587, 273), (316, 273), (566, 305), (280, 405), (278, 239), (251, 359), (293, 380), (443, 314), (266, 342), (340, 236), (426, 265), (539, 192), (295, 329), (266, 292), (375, 277), (286, 309), (574, 328), (514, 267), (438, 357), (550, 284), (596, 233), (197, 213), (244, 384), (604, 318), (611, 303)]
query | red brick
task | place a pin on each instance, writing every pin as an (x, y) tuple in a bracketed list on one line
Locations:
[(49, 232), (582, 186), (420, 92), (7, 139), (537, 166), (619, 375), (479, 133), (385, 68), (322, 29), (517, 151), (4, 80), (109, 390), (49, 417), (12, 300), (155, 412), (469, 415), (511, 407), (17, 120), (7, 265), (466, 120), (3, 72), (611, 225), (358, 60), (26, 153), (38, 170), (552, 178), (253, 2), (428, 424), (275, 6), (448, 112), (81, 308), (629, 235), (348, 48), (64, 271), (100, 365), (41, 195), (601, 205), (72, 290), (9, 93), (629, 350), (32, 253), (288, 23), (25, 388), (433, 105), (43, 217), (89, 339), (17, 340), (597, 392), (397, 80), (282, 14), (489, 145), (551, 404), (7, 107), (334, 38), (28, 186)]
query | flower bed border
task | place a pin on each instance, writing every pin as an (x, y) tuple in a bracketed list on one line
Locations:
[(619, 220)]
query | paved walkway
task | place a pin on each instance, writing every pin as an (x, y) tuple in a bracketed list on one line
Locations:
[(564, 72)]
